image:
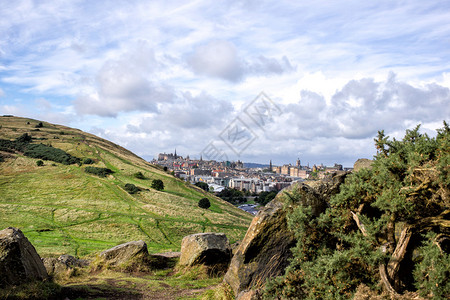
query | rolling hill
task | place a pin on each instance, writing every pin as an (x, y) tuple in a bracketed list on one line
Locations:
[(64, 210)]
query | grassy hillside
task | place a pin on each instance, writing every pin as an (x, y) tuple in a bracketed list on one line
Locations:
[(64, 210)]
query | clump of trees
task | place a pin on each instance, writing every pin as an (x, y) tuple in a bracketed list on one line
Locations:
[(158, 184), (101, 172), (204, 203), (388, 227), (265, 197), (231, 195), (203, 185)]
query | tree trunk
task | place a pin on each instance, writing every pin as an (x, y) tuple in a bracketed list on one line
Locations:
[(399, 253)]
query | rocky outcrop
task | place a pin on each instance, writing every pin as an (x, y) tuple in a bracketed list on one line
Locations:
[(362, 163), (206, 249), (19, 261), (55, 266), (265, 249), (132, 256), (125, 252)]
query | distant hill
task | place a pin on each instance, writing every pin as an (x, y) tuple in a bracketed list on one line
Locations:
[(255, 165), (64, 210)]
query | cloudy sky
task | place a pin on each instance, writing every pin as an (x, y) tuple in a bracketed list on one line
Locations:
[(153, 76)]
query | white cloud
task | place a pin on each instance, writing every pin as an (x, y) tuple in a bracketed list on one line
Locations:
[(221, 59), (125, 85), (154, 66)]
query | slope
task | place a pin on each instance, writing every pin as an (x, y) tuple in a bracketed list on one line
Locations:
[(64, 210)]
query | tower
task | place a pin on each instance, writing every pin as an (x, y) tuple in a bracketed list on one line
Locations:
[(175, 155), (298, 164), (270, 166)]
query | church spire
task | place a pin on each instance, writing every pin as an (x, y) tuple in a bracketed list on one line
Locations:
[(175, 153), (270, 166)]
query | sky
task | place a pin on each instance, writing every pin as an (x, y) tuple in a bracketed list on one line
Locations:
[(228, 80)]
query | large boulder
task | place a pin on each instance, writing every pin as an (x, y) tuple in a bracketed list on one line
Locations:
[(125, 252), (132, 256), (205, 248), (362, 163), (19, 261), (56, 266), (265, 250)]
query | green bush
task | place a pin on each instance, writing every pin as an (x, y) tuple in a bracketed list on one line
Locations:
[(204, 203), (404, 191), (45, 152), (432, 273), (131, 188), (158, 184), (40, 151), (39, 163), (88, 161), (139, 175), (101, 172)]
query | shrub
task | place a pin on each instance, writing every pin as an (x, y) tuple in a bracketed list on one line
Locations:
[(39, 163), (88, 161), (2, 159), (131, 188), (39, 125), (101, 172), (204, 203), (139, 175), (337, 251), (45, 152), (158, 184)]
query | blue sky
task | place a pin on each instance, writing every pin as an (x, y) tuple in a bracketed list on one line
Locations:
[(157, 75)]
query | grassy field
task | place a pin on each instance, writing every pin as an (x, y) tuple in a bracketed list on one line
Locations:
[(64, 210)]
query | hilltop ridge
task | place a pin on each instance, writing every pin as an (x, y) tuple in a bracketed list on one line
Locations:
[(64, 210)]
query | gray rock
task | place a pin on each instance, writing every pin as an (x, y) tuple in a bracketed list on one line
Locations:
[(205, 248), (362, 163), (19, 261), (55, 266), (125, 252)]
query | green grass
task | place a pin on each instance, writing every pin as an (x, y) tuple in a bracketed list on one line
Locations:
[(64, 210)]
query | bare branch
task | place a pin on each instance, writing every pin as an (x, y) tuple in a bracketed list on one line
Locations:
[(360, 225)]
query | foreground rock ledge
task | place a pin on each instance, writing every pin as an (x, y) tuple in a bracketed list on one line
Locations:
[(266, 249), (206, 249), (19, 261)]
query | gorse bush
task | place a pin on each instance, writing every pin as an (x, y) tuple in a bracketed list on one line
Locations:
[(371, 228), (101, 172), (139, 175), (131, 188), (45, 152), (40, 151), (158, 184), (88, 161)]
